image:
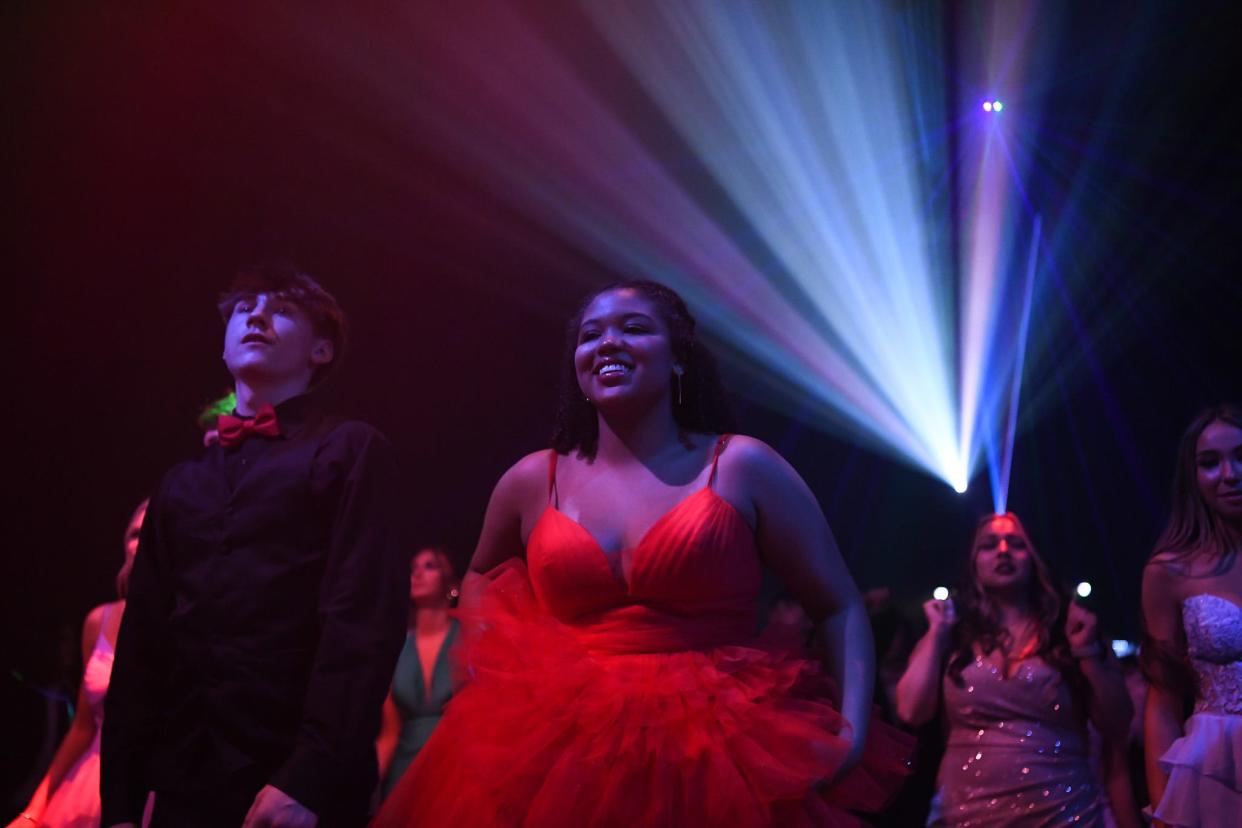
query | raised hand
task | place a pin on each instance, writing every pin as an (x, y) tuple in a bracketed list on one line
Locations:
[(1081, 627), (941, 616)]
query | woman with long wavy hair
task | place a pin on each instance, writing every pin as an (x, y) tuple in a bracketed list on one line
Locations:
[(1019, 670), (613, 673), (1192, 614)]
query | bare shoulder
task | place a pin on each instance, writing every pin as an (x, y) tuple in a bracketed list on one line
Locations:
[(1164, 572), (759, 481), (94, 618), (525, 482), (529, 472), (1163, 578), (510, 512), (91, 627), (751, 460), (751, 455)]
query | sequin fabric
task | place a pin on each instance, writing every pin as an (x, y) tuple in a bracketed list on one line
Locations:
[(1214, 641), (1016, 753)]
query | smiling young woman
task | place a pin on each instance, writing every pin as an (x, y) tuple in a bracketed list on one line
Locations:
[(614, 677), (1192, 613)]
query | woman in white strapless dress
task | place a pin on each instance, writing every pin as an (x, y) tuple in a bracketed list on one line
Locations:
[(68, 794), (1192, 611)]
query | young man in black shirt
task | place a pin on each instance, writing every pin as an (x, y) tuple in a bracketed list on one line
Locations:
[(268, 605)]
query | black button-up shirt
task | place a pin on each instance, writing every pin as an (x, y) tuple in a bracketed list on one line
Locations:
[(265, 612)]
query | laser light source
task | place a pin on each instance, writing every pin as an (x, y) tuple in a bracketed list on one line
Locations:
[(1083, 589), (825, 258), (941, 593)]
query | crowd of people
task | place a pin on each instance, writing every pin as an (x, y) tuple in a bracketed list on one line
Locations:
[(279, 658)]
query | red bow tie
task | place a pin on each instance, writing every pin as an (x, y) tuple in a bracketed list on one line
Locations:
[(235, 430)]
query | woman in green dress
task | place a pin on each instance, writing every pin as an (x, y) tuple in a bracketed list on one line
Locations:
[(422, 682)]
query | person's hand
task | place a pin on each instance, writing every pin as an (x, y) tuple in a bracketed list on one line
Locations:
[(273, 808), (852, 757), (1081, 627), (941, 616)]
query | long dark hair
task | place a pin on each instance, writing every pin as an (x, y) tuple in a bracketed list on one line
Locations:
[(701, 407), (1192, 529), (979, 622)]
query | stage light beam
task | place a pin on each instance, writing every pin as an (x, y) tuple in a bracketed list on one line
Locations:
[(783, 188)]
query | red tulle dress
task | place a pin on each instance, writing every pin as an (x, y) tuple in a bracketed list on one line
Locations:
[(594, 702)]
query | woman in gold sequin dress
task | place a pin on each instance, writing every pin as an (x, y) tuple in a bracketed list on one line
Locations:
[(1019, 670)]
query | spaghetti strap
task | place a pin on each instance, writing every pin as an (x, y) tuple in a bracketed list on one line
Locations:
[(553, 494), (721, 442)]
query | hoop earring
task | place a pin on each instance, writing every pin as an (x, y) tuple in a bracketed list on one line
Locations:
[(453, 594)]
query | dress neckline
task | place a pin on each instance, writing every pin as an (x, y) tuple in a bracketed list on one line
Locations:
[(1225, 598), (620, 573)]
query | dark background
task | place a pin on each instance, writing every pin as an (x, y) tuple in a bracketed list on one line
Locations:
[(152, 150)]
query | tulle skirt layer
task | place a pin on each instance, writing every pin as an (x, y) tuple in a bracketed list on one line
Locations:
[(1205, 773), (548, 732)]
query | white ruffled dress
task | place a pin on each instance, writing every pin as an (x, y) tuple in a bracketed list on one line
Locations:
[(1205, 765)]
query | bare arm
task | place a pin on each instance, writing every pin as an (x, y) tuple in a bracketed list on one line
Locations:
[(1162, 722), (795, 541), (918, 690), (1162, 726), (512, 503), (390, 729), (1116, 772), (1109, 706), (79, 737)]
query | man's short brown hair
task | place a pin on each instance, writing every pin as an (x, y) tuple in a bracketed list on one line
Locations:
[(284, 279)]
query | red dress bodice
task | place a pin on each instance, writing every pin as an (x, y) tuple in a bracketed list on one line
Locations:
[(693, 578)]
